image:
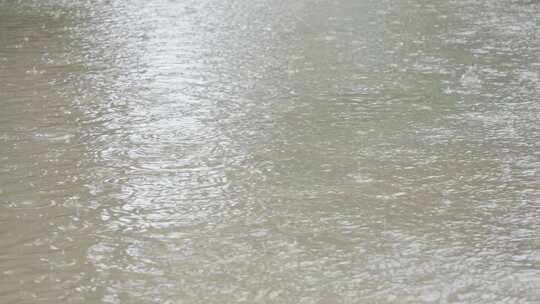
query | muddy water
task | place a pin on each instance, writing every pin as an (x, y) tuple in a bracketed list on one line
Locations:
[(270, 151)]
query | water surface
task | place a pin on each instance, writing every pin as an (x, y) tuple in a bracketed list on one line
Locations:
[(270, 151)]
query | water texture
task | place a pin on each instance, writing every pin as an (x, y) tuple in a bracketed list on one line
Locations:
[(311, 151)]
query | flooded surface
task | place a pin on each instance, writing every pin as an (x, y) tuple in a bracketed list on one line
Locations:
[(270, 151)]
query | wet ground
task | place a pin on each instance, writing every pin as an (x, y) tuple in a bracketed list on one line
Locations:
[(270, 151)]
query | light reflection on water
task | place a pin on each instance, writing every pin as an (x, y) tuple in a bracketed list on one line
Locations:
[(306, 152)]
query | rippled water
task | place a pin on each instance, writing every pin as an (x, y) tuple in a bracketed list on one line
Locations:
[(270, 151)]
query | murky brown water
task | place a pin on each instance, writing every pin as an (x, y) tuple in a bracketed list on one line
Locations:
[(212, 151)]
